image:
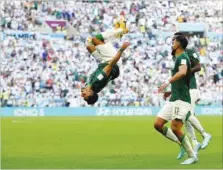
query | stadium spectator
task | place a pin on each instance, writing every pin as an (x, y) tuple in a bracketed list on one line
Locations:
[(37, 72)]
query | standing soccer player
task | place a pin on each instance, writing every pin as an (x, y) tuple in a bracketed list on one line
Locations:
[(179, 105), (102, 49), (194, 93)]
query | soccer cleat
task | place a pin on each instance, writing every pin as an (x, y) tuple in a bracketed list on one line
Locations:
[(116, 25), (121, 24), (206, 141), (182, 153), (196, 148), (190, 160)]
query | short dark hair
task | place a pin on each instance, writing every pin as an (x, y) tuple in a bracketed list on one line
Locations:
[(182, 40), (179, 33), (92, 99)]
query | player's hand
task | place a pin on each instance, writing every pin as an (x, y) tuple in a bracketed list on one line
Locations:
[(125, 45), (162, 87), (166, 95)]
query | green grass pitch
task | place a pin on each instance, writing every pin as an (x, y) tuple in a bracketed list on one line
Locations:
[(98, 142)]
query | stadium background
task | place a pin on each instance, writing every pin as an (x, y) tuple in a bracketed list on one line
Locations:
[(44, 64)]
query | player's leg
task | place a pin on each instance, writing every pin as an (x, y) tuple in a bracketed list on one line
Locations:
[(93, 51), (178, 118), (99, 39), (91, 48), (97, 47), (162, 118), (102, 51), (118, 31), (176, 126), (191, 134), (189, 128), (196, 124), (109, 34)]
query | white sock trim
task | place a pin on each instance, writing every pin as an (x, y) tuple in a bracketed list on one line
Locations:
[(187, 146), (110, 34), (170, 135), (196, 124), (190, 131)]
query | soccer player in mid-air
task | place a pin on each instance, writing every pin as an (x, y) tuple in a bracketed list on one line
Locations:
[(194, 93), (105, 53), (179, 105)]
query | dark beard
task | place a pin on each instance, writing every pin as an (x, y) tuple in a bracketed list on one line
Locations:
[(173, 53)]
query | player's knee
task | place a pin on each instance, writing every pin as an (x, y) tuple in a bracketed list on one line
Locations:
[(158, 126), (97, 41), (94, 40), (175, 129), (90, 48)]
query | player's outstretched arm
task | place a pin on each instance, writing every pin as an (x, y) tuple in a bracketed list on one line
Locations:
[(118, 55), (112, 62)]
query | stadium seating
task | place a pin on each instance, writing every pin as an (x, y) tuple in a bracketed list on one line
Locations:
[(50, 72)]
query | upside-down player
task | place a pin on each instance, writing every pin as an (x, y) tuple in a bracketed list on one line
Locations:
[(105, 53)]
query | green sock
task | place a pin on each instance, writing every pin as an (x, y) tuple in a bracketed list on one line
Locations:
[(182, 138)]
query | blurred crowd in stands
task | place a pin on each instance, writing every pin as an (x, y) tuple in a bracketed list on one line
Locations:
[(50, 72)]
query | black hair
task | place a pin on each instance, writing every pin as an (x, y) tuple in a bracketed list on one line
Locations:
[(182, 40), (179, 33), (92, 99)]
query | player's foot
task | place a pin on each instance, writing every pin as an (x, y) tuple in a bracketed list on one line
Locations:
[(182, 153), (116, 25), (122, 24), (206, 141), (197, 147), (190, 160)]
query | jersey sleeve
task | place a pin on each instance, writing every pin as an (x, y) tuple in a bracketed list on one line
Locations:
[(183, 60)]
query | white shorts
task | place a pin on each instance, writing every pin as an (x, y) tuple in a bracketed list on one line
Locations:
[(175, 110), (104, 52), (195, 95)]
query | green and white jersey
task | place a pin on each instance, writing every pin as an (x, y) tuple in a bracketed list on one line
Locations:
[(98, 79), (180, 88), (194, 59)]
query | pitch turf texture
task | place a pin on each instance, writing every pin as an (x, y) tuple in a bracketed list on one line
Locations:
[(98, 142)]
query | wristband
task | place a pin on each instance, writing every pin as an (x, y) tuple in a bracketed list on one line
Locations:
[(121, 50)]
